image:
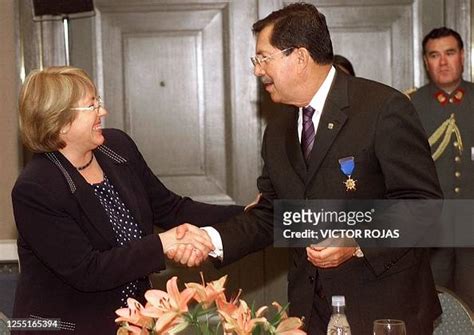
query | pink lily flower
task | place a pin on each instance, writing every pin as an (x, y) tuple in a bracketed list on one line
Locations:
[(133, 314), (128, 329), (227, 306), (167, 307), (166, 312), (240, 321), (207, 294), (288, 326)]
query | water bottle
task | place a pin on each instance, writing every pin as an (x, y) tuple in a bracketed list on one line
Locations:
[(338, 324)]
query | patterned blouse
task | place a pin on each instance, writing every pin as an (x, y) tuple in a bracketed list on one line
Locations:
[(123, 224)]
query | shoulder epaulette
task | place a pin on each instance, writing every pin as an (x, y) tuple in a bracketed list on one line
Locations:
[(409, 92)]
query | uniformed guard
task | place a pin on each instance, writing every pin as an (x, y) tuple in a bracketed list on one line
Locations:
[(446, 109)]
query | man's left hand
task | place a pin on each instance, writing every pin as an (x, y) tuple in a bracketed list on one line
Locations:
[(329, 257)]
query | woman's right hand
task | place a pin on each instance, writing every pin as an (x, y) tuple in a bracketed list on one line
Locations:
[(186, 244)]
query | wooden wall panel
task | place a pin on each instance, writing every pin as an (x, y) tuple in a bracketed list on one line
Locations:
[(164, 80)]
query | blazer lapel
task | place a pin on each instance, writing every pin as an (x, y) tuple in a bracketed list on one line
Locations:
[(293, 147), (332, 120), (86, 198), (120, 176)]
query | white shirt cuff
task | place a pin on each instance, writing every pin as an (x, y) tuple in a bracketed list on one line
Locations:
[(216, 240)]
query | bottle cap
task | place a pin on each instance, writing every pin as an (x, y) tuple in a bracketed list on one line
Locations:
[(338, 300)]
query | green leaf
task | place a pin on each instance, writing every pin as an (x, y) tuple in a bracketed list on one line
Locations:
[(277, 317), (210, 311)]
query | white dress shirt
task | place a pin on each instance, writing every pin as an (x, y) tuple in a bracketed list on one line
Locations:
[(317, 102)]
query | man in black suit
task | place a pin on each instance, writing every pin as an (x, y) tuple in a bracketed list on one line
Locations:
[(351, 117)]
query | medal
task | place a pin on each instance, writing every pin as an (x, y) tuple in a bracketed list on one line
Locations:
[(350, 184), (347, 166)]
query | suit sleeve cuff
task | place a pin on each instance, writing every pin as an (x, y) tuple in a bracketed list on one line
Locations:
[(216, 240)]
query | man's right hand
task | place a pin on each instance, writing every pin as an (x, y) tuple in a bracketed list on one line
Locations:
[(253, 203), (186, 244)]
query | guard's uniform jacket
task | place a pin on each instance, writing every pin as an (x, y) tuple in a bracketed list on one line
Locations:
[(449, 124), (448, 120)]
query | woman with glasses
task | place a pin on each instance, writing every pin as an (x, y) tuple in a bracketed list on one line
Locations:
[(85, 207)]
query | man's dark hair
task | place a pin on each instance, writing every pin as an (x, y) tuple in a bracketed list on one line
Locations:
[(442, 32), (299, 25)]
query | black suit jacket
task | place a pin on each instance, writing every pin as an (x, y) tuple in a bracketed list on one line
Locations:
[(72, 267), (379, 127)]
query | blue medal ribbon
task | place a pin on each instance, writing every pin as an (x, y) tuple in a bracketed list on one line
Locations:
[(347, 165)]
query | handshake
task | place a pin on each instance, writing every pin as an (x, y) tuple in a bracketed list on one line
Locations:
[(190, 245), (186, 244)]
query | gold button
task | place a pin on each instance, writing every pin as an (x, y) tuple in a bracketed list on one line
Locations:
[(457, 174), (455, 143), (457, 159), (457, 189), (451, 100)]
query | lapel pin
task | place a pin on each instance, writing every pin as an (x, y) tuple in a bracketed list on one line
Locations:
[(330, 125)]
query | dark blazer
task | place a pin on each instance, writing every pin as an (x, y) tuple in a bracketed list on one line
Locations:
[(72, 267), (379, 127)]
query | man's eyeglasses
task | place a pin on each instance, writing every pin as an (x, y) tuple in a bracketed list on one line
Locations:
[(95, 107), (260, 60)]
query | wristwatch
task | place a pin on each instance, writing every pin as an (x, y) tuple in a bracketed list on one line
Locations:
[(358, 253)]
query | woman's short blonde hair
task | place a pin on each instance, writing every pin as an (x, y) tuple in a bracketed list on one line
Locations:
[(46, 99)]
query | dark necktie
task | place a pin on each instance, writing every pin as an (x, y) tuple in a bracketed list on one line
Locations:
[(308, 134)]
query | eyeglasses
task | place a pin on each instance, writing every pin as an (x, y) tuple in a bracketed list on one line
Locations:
[(95, 108), (259, 60)]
